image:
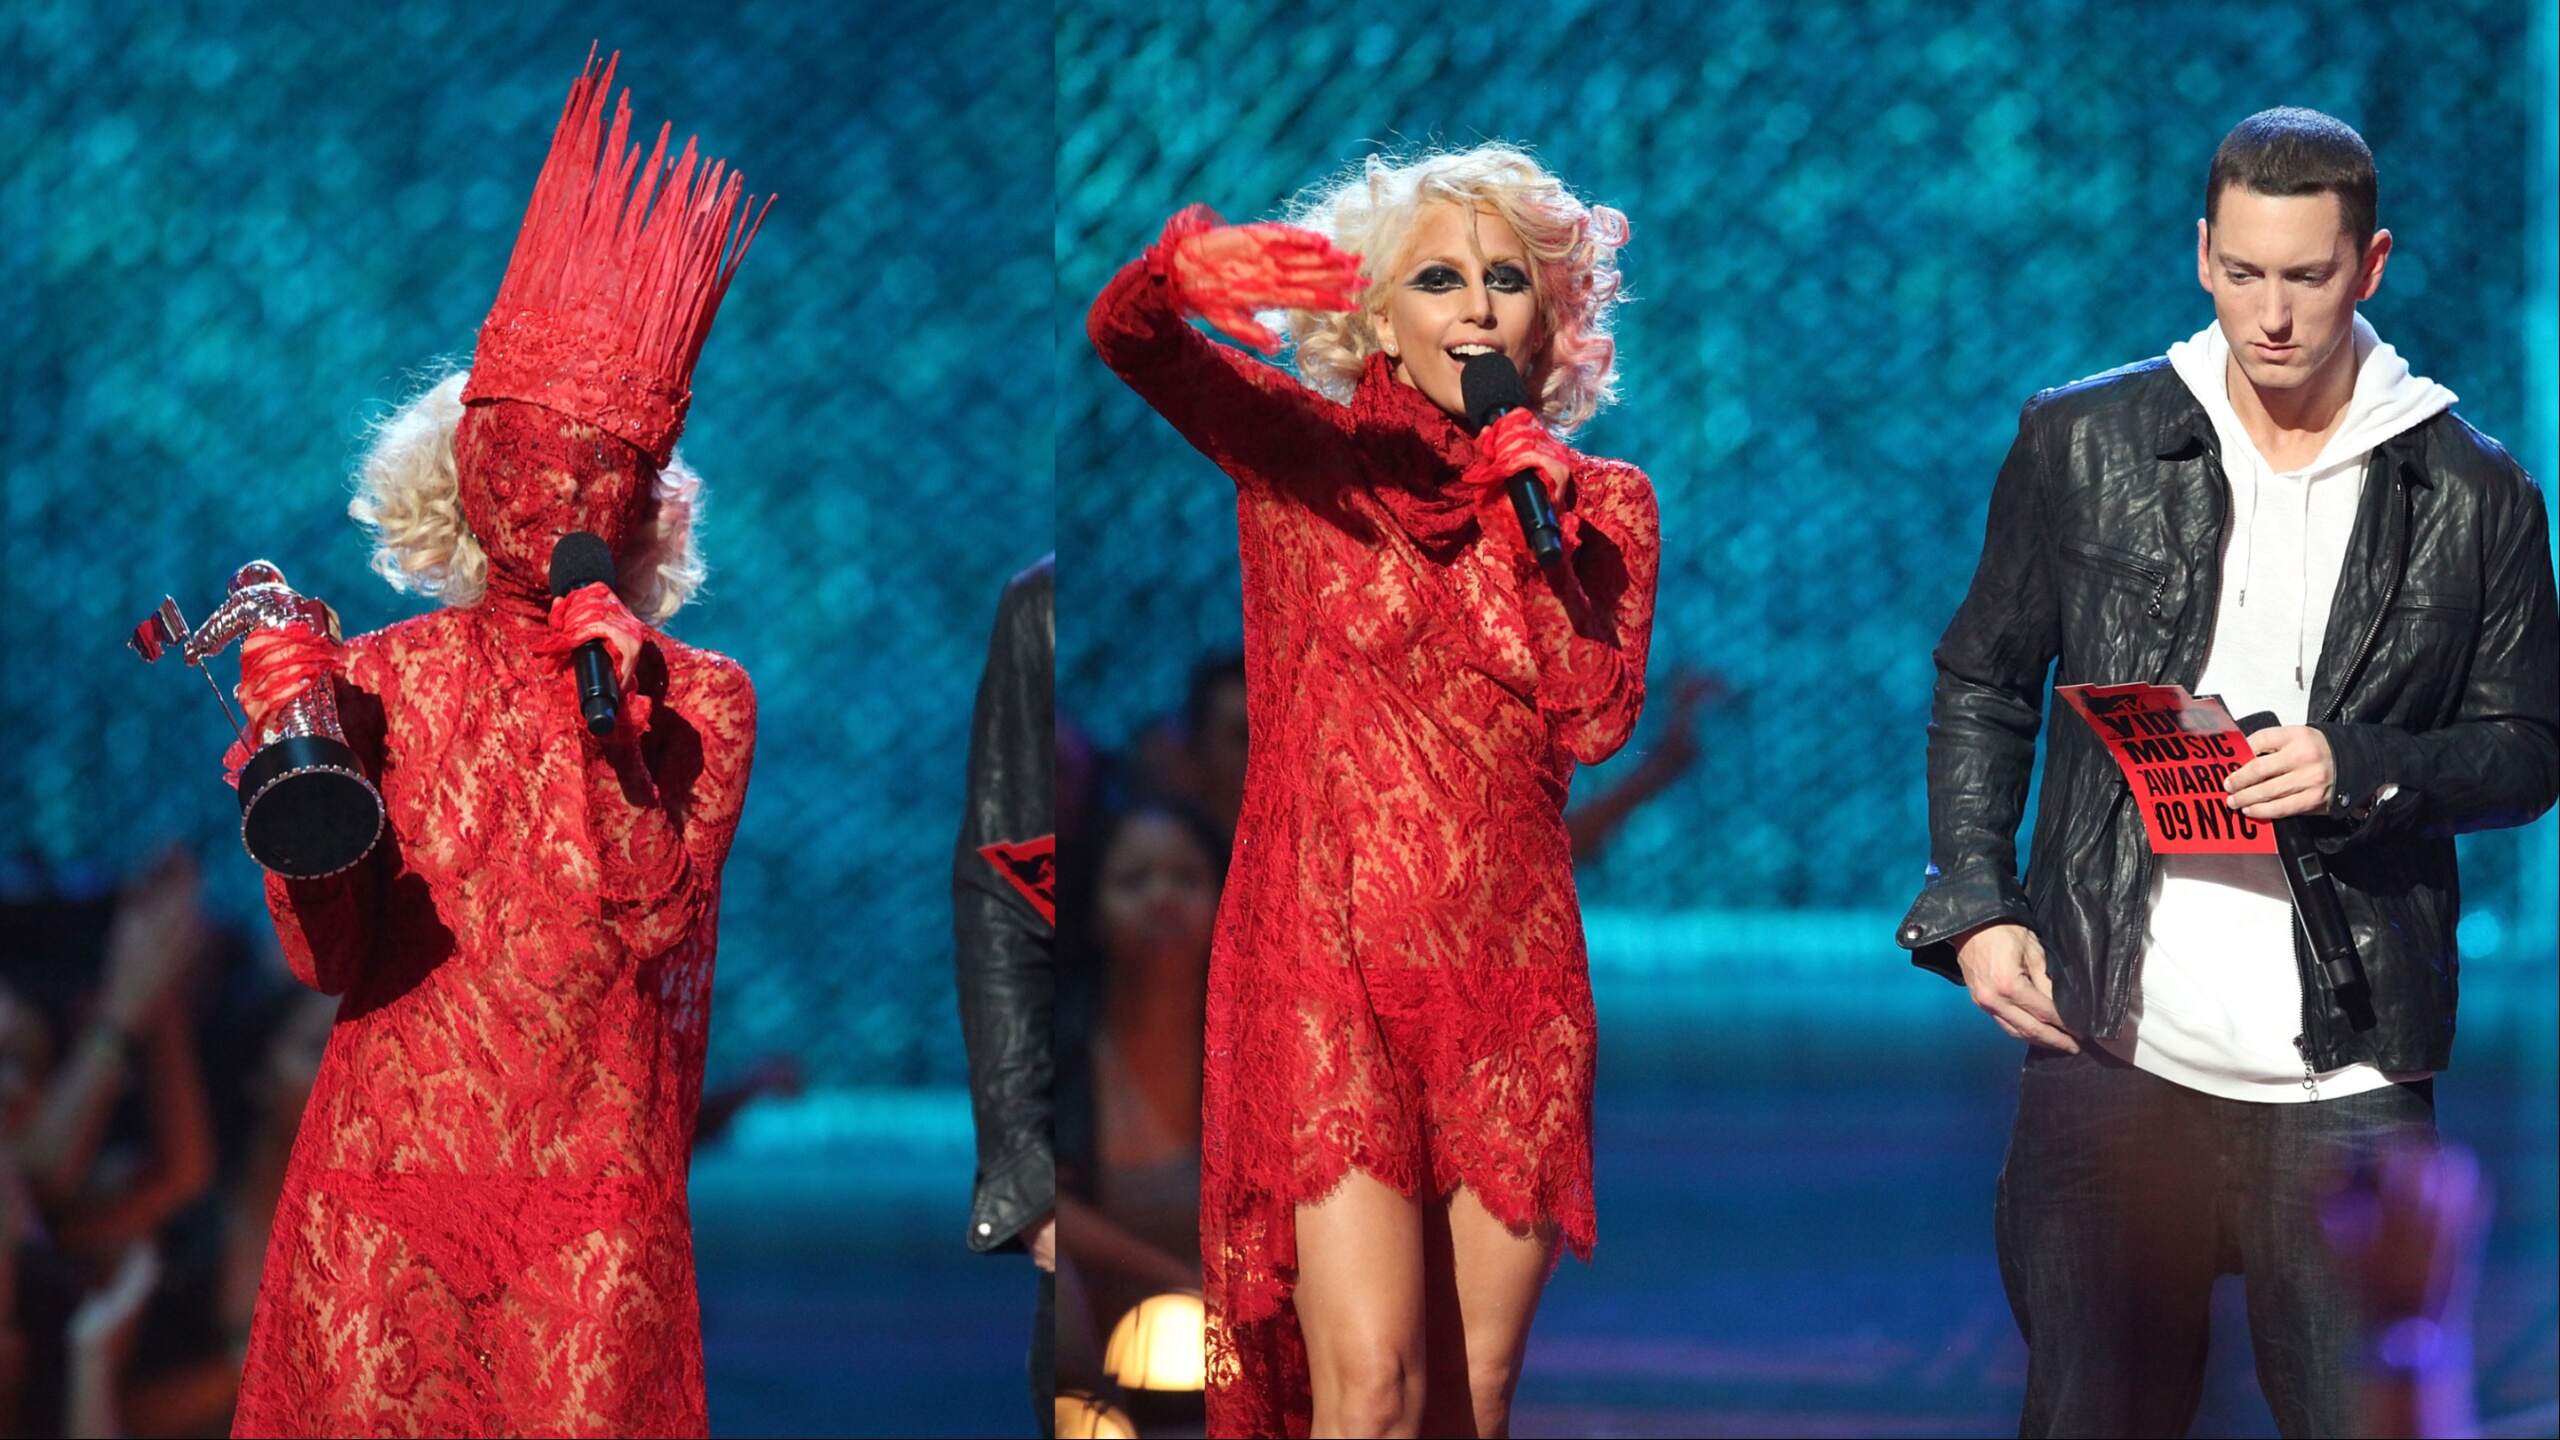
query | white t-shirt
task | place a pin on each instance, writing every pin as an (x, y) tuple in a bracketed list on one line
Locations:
[(2221, 1001)]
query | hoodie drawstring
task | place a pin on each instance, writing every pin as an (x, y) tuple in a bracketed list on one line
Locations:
[(2302, 591), (2249, 539)]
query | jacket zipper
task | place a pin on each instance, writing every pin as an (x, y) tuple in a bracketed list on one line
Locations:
[(2382, 612), (2302, 988), (2301, 961), (2337, 707), (2129, 568), (2120, 996)]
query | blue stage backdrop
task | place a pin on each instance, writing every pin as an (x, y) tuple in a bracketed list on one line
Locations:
[(236, 233), (1863, 235)]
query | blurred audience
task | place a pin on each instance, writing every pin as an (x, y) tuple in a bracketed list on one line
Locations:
[(106, 1144), (1139, 898), (1196, 758), (1079, 777), (1671, 749), (2408, 1231), (153, 1068), (778, 1075)]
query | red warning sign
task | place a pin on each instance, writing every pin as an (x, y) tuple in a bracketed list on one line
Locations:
[(2177, 751)]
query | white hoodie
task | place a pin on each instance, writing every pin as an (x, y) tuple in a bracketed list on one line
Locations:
[(2220, 1000)]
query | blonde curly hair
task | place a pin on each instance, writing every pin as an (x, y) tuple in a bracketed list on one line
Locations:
[(408, 499), (1573, 248)]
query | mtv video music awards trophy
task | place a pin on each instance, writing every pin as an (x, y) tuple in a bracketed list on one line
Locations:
[(306, 808)]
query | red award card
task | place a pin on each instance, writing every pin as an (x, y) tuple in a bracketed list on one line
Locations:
[(2177, 752)]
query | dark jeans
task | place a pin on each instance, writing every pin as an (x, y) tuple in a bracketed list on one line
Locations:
[(1044, 1355), (2124, 1196)]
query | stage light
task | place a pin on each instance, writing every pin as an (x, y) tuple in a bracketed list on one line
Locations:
[(1090, 1417), (1161, 1344)]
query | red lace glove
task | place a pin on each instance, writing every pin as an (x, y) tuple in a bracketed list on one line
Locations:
[(1514, 443), (594, 612), (1225, 273), (275, 666)]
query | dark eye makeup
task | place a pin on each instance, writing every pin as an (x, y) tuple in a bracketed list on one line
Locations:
[(1437, 278)]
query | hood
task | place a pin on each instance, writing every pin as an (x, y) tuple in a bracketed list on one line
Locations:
[(2389, 398)]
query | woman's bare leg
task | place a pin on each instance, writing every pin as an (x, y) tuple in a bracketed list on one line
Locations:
[(1483, 1283), (1359, 1300)]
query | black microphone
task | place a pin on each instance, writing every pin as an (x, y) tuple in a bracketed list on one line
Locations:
[(1491, 385), (2315, 894), (580, 560)]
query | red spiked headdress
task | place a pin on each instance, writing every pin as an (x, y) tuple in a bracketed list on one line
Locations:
[(607, 300)]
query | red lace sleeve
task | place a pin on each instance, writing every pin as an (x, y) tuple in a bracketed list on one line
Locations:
[(326, 926), (1591, 677), (666, 808), (1256, 421)]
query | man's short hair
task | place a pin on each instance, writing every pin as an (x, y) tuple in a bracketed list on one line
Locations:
[(2293, 151)]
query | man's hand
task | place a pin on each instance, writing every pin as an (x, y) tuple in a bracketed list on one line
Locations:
[(1042, 1239), (2003, 966), (2291, 776)]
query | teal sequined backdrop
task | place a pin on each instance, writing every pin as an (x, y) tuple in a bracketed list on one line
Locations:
[(1863, 236), (233, 233)]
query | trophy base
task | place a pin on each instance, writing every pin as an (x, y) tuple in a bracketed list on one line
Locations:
[(306, 809)]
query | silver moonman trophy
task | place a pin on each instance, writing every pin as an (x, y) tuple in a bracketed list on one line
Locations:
[(306, 808)]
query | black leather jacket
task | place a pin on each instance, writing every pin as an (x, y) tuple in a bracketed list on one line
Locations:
[(2437, 689), (1008, 978)]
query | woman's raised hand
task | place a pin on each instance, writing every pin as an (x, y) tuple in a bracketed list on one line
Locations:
[(158, 930), (1225, 273)]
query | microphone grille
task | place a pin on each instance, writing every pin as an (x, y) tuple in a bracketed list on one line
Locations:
[(579, 559), (1491, 385)]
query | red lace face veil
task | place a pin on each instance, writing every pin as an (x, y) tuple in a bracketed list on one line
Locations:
[(585, 364)]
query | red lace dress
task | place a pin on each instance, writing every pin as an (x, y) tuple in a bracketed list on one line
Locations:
[(483, 1230), (1398, 982)]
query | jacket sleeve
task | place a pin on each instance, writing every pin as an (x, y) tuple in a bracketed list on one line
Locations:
[(1256, 421), (1591, 677), (2498, 763), (664, 807), (1985, 712), (1007, 979)]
